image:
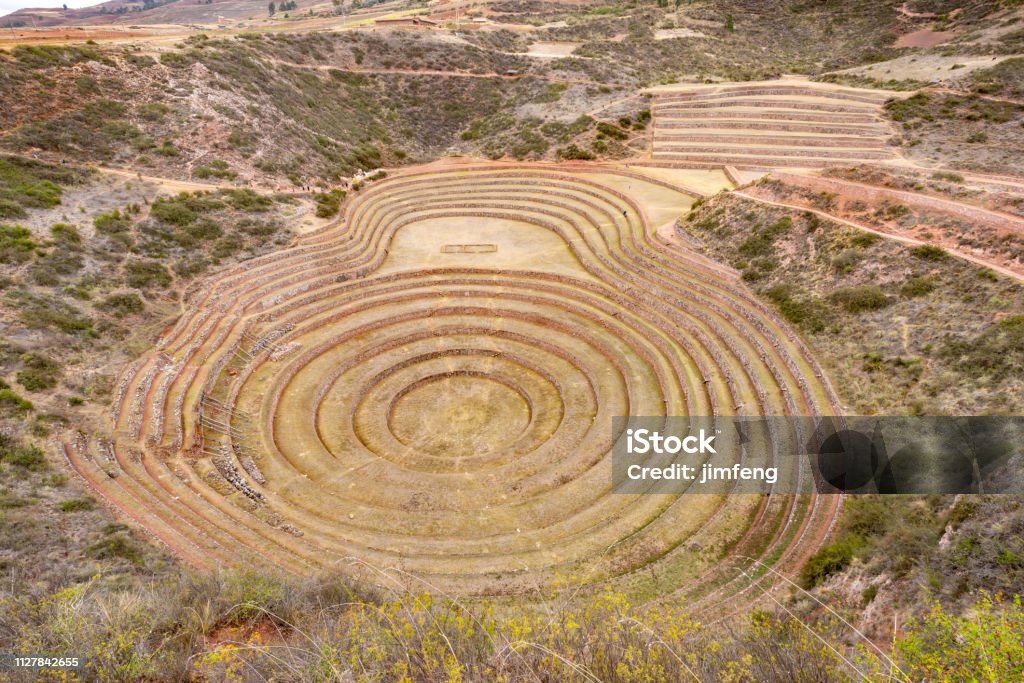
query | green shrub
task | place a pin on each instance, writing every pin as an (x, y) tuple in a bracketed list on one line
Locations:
[(552, 93), (16, 245), (860, 299), (189, 267), (917, 286), (252, 592), (759, 244), (152, 111), (64, 259), (829, 560), (12, 502), (988, 274), (47, 313), (1006, 76), (930, 252), (997, 352), (40, 372), (912, 107), (986, 644), (65, 235), (611, 131), (26, 457), (176, 60), (799, 309), (247, 200), (893, 212), (121, 305), (145, 274), (202, 229), (226, 247), (813, 221), (11, 209), (31, 184), (167, 149), (172, 211), (963, 510), (762, 242), (78, 505), (12, 404), (845, 261), (46, 56), (114, 222), (258, 228), (867, 516), (116, 546), (573, 152), (865, 239), (873, 362), (217, 169), (328, 203)]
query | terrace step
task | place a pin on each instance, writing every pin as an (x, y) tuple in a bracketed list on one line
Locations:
[(731, 138), (763, 162), (747, 150), (781, 104), (771, 127), (775, 90), (764, 114)]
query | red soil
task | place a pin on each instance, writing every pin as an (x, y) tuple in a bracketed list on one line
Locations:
[(923, 38)]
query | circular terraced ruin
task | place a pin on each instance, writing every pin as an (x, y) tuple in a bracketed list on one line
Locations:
[(428, 385)]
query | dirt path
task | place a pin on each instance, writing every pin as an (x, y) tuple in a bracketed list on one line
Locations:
[(925, 201), (1017, 184), (175, 185), (432, 72), (167, 183), (1017, 275)]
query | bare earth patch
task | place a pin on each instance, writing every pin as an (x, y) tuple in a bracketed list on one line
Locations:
[(666, 33), (552, 50), (923, 38)]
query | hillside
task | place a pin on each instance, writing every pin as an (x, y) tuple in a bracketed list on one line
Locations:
[(139, 13)]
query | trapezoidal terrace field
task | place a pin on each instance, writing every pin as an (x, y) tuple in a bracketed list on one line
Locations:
[(427, 385)]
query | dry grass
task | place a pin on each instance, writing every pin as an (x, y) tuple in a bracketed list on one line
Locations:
[(245, 627)]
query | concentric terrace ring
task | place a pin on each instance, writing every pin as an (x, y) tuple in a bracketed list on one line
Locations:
[(380, 397)]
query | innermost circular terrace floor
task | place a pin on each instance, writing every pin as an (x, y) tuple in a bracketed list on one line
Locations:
[(459, 416)]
